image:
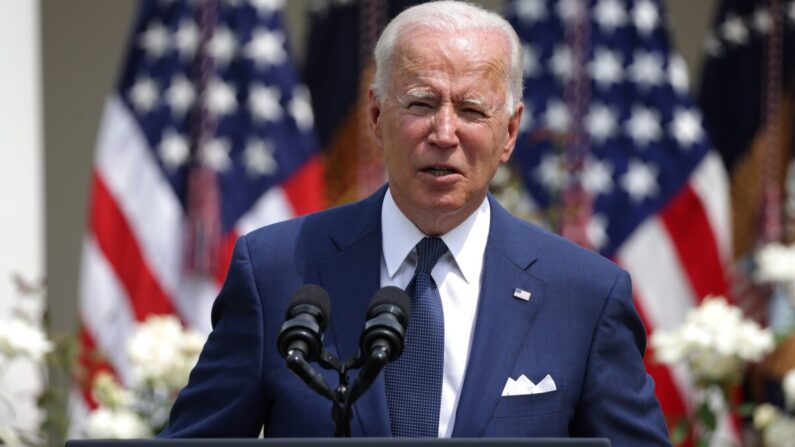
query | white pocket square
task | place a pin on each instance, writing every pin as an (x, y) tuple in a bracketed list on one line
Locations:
[(523, 386)]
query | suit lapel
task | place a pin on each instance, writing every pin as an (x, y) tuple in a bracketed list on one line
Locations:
[(351, 278), (502, 322)]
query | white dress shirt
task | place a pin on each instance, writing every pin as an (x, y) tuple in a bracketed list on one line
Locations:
[(458, 275)]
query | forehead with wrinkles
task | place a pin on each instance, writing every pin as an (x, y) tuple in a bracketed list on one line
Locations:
[(429, 55)]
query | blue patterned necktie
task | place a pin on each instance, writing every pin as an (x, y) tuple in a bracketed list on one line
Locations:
[(414, 380)]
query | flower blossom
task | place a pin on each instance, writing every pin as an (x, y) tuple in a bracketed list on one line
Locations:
[(162, 353), (715, 341), (776, 263), (21, 338), (118, 423), (788, 385)]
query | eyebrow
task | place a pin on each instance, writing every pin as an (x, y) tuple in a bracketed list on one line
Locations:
[(420, 93)]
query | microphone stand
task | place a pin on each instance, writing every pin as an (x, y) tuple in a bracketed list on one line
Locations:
[(344, 395)]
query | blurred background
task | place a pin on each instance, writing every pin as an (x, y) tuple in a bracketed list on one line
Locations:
[(682, 197)]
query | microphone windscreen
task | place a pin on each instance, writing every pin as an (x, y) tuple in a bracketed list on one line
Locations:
[(311, 294), (394, 296)]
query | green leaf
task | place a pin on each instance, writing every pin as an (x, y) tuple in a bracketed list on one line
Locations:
[(746, 410), (706, 417), (680, 431)]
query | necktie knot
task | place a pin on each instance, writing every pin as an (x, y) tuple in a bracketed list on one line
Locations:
[(429, 250)]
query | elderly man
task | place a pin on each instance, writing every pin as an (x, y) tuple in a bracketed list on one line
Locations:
[(514, 331)]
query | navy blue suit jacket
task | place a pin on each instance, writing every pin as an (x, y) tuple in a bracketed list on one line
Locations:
[(580, 326)]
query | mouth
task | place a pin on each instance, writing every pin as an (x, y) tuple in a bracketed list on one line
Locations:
[(439, 171)]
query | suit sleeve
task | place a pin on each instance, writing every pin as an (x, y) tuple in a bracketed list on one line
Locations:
[(618, 400), (224, 396)]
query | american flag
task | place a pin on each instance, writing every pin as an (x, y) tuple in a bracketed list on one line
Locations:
[(207, 136), (611, 136)]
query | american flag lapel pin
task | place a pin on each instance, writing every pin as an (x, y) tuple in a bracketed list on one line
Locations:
[(521, 294)]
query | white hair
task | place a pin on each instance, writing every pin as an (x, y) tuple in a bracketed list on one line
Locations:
[(449, 16)]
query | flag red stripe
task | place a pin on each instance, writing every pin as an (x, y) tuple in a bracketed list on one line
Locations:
[(305, 188), (91, 363), (665, 388), (119, 246), (227, 248), (691, 233)]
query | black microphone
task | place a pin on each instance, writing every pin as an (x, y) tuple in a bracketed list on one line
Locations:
[(301, 336), (381, 341), (387, 319), (306, 317)]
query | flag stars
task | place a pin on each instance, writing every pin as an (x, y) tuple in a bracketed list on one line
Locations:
[(561, 62), (606, 68), (596, 231), (597, 177), (144, 95), (610, 14), (531, 11), (173, 149), (734, 30), (527, 118), (301, 109), (677, 74), (713, 46), (569, 10), (551, 173), (186, 39), (647, 69), (264, 103), (601, 122), (643, 126), (761, 21), (214, 154), (266, 48), (220, 98), (557, 117), (267, 7), (686, 127), (258, 158), (640, 181), (222, 46), (155, 40), (646, 17), (531, 67), (180, 95)]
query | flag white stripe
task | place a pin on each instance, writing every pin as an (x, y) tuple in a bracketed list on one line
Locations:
[(147, 201), (105, 308)]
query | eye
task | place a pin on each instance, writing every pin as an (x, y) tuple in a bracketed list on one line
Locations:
[(473, 112), (419, 105)]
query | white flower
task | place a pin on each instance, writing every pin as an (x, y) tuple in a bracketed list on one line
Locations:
[(788, 385), (109, 393), (764, 415), (9, 437), (715, 340), (776, 263), (105, 423), (781, 433), (21, 338), (162, 353)]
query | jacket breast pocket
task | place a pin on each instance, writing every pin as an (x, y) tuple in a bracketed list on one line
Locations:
[(530, 404)]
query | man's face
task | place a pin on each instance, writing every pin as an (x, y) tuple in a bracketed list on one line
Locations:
[(443, 124)]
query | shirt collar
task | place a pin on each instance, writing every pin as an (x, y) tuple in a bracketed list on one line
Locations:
[(466, 242)]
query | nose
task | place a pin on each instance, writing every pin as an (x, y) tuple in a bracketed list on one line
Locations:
[(444, 132)]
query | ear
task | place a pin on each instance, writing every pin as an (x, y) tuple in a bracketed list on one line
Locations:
[(513, 132), (374, 117)]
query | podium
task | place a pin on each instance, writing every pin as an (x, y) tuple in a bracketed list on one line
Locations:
[(338, 442)]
